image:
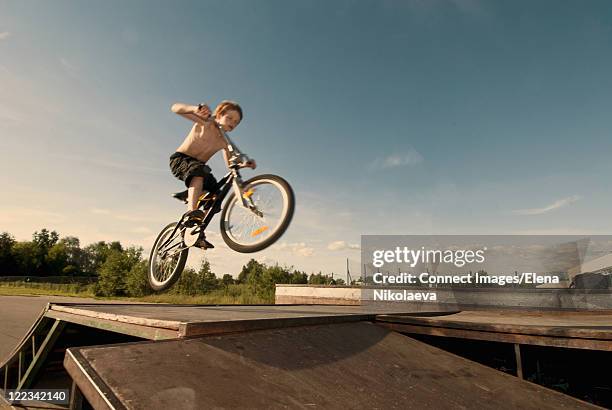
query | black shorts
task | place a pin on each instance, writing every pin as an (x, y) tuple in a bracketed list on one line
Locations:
[(185, 167)]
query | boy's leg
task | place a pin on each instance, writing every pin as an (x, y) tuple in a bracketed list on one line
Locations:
[(194, 192)]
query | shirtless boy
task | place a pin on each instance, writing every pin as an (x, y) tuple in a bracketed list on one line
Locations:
[(188, 163)]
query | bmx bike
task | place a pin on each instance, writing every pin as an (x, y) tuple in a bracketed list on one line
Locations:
[(255, 215)]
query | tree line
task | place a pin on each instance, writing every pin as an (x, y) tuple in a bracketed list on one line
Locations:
[(49, 255), (122, 271)]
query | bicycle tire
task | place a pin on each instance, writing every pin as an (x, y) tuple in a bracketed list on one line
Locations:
[(285, 189), (176, 272)]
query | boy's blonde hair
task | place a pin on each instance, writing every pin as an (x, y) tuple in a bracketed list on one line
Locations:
[(225, 106)]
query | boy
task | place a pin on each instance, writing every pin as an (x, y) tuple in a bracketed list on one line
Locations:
[(188, 163)]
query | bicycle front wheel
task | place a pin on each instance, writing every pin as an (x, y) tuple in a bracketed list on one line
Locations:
[(167, 258), (250, 230)]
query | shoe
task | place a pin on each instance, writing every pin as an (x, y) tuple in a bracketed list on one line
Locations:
[(181, 196), (203, 243), (194, 217)]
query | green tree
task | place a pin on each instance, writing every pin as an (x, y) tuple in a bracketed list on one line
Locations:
[(57, 258), (227, 280), (27, 258), (65, 257), (209, 279), (114, 271), (318, 279), (137, 283), (252, 268), (298, 277), (264, 285), (8, 264), (44, 241), (198, 282), (95, 255), (74, 253), (187, 284)]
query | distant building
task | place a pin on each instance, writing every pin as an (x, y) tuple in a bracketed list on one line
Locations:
[(601, 265)]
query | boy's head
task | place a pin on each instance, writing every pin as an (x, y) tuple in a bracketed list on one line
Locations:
[(228, 114)]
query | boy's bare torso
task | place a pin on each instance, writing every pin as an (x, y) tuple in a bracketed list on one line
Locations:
[(203, 141)]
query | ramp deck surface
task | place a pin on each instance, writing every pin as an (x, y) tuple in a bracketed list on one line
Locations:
[(573, 329), (158, 321), (345, 365)]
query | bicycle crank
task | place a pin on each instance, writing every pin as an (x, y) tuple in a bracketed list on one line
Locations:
[(191, 235)]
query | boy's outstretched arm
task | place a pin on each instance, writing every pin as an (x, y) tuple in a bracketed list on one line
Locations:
[(194, 113)]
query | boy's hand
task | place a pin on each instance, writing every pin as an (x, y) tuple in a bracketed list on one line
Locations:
[(202, 111), (251, 164)]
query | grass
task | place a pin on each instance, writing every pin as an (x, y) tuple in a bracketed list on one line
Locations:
[(47, 289), (212, 298), (233, 294)]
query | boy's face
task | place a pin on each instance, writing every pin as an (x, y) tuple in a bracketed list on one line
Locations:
[(229, 120)]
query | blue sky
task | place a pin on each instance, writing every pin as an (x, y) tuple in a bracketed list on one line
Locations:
[(387, 117)]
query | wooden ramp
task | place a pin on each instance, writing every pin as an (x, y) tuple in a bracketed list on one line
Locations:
[(160, 321), (569, 329), (20, 370), (291, 355), (344, 365)]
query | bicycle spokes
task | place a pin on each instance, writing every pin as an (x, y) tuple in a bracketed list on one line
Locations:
[(167, 257), (259, 230), (259, 220), (171, 243)]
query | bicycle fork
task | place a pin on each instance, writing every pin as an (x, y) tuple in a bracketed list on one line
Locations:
[(245, 197)]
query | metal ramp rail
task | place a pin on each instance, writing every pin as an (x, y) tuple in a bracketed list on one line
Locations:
[(22, 365)]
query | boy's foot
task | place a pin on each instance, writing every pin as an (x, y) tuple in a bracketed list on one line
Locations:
[(203, 243), (181, 196), (194, 217)]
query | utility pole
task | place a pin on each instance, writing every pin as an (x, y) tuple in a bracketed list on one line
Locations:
[(349, 280)]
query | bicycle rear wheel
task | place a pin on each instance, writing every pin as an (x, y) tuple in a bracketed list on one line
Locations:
[(167, 260), (246, 230)]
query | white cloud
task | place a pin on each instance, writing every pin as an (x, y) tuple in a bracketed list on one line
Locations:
[(112, 164), (269, 261), (141, 229), (11, 215), (99, 211), (410, 158), (11, 115), (298, 248), (123, 217), (135, 218), (555, 205), (341, 245), (4, 35)]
